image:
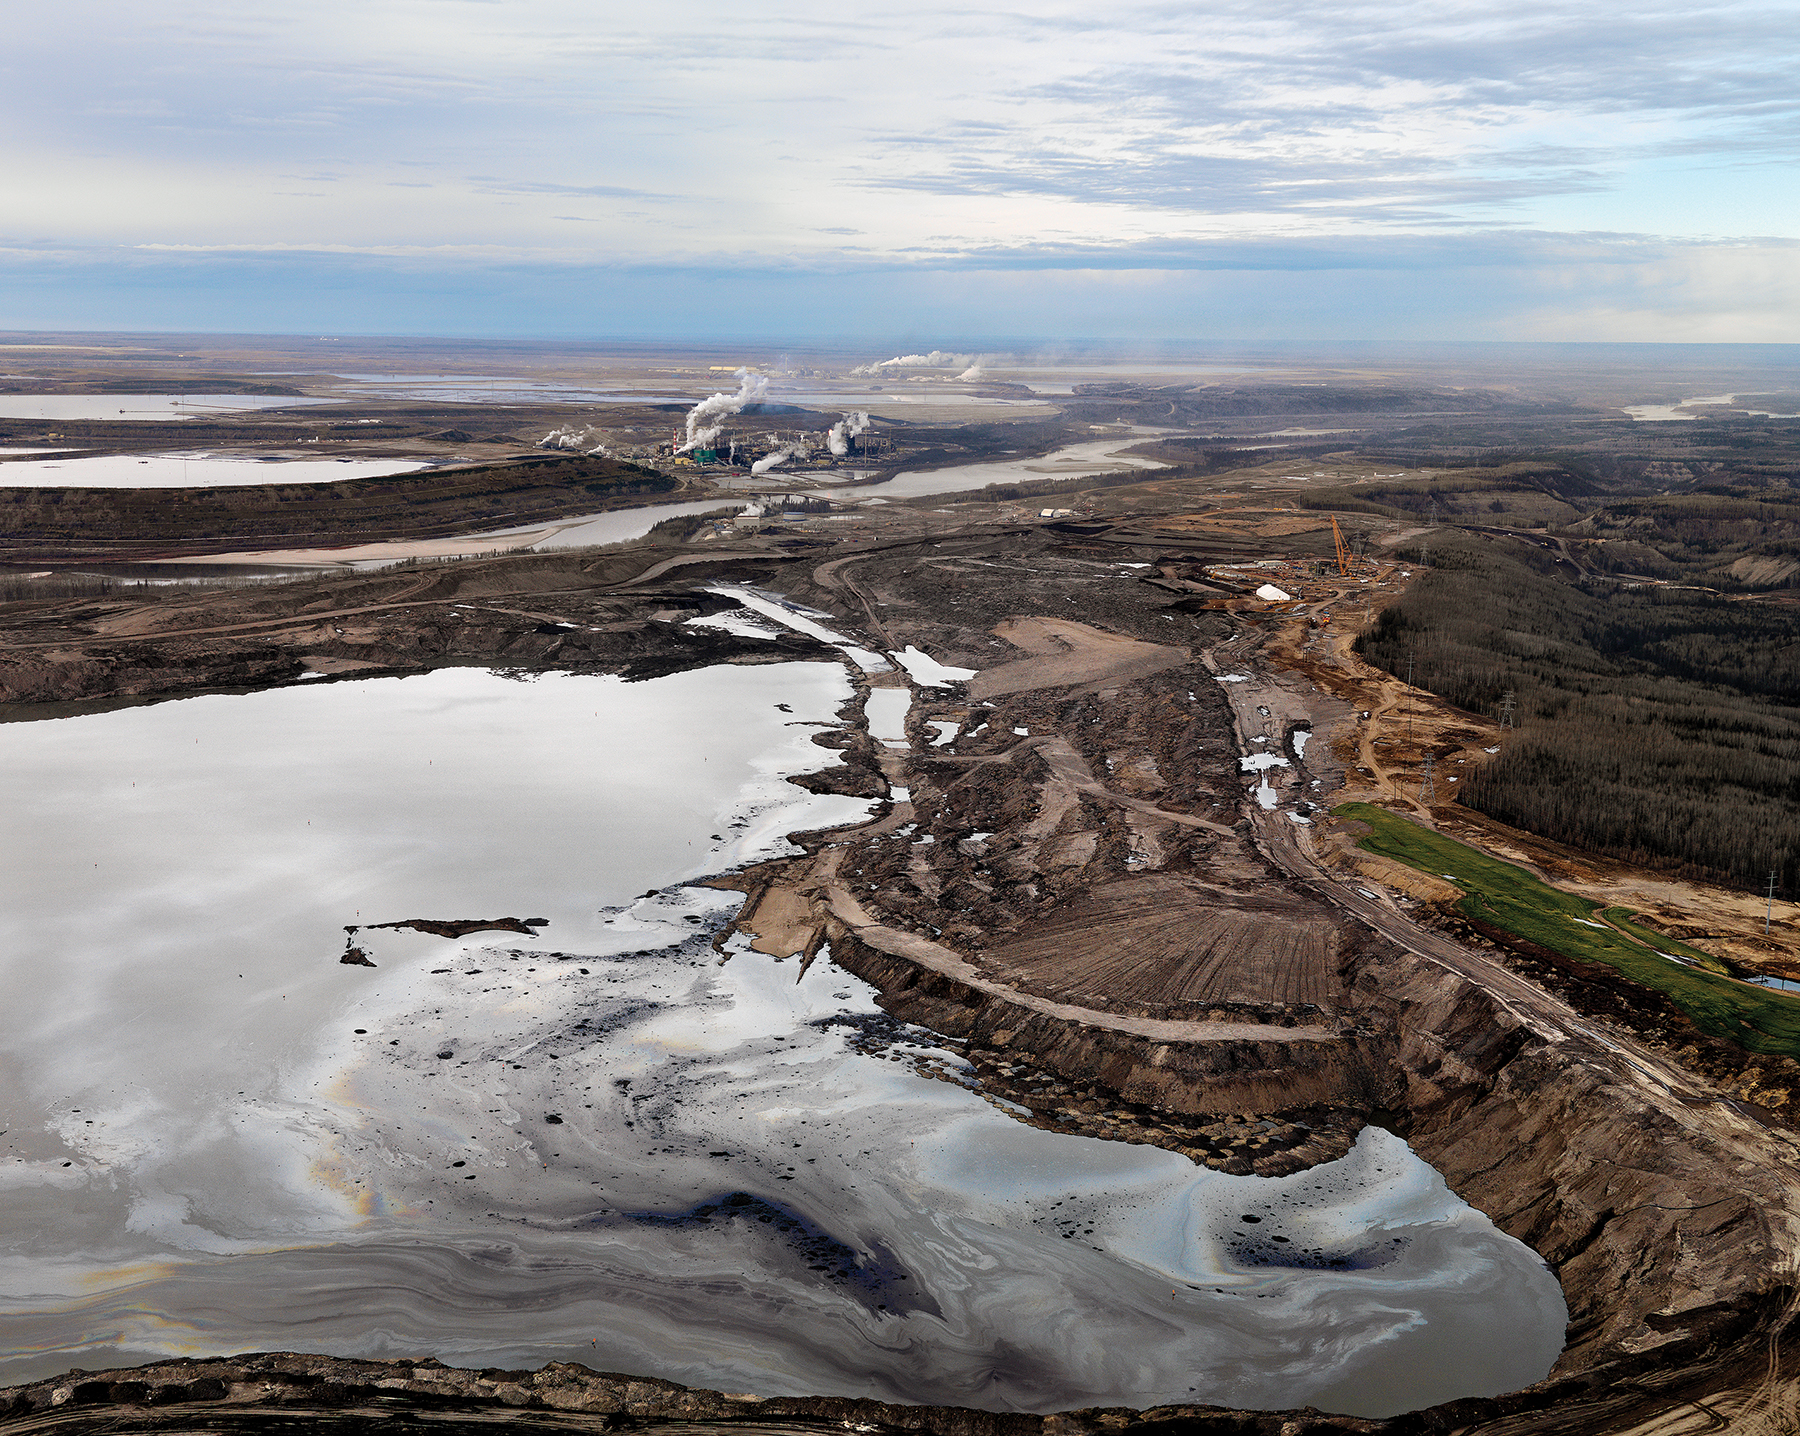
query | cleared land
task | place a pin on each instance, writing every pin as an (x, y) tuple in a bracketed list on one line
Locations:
[(1154, 939)]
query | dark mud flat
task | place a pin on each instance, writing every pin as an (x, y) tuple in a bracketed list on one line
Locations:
[(1087, 916), (48, 525), (284, 1393)]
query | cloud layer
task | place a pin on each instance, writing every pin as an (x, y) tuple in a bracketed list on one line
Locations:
[(473, 141)]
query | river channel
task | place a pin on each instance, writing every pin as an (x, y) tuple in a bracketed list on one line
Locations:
[(599, 1139), (1091, 456)]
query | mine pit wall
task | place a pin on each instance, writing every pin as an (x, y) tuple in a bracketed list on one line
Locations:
[(1670, 1265), (1675, 1254), (1232, 1078)]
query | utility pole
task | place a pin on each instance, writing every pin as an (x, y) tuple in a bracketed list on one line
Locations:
[(1507, 704), (1428, 789), (1769, 911)]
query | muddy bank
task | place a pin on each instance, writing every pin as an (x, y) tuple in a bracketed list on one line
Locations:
[(49, 525), (284, 1392), (528, 613)]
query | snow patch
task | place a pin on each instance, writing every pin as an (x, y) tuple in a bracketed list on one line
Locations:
[(792, 616), (739, 621), (1257, 762), (927, 672)]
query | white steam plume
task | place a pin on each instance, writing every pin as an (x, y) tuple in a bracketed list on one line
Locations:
[(936, 359), (570, 437), (795, 450), (972, 373), (842, 432), (701, 430)]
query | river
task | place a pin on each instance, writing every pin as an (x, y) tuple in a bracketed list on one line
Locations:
[(1093, 456)]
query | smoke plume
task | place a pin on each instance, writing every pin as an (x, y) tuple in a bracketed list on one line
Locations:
[(587, 441), (795, 450), (701, 428), (842, 432), (936, 359)]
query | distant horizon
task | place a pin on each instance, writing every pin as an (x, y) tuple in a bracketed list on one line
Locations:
[(1011, 345)]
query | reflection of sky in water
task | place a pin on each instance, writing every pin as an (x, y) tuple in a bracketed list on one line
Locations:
[(600, 1143), (139, 407), (192, 471), (1095, 456)]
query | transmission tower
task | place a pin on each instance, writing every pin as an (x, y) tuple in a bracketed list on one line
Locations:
[(1507, 703), (1769, 911), (1428, 789)]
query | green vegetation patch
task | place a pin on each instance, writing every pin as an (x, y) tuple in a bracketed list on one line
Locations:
[(1505, 896), (1620, 917)]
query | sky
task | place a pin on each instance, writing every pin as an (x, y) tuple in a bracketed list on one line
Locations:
[(1220, 171)]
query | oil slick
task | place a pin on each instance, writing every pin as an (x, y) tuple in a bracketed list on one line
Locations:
[(605, 1144)]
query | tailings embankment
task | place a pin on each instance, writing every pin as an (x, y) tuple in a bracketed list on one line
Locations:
[(1229, 1075)]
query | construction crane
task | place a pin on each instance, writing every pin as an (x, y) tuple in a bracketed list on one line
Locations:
[(1343, 548)]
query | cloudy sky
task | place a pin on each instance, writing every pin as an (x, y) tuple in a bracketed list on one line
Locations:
[(1227, 169)]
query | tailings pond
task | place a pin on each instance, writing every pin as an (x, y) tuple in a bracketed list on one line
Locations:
[(589, 1138), (140, 407), (191, 471)]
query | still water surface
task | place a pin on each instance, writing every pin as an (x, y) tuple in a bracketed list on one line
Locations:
[(191, 471), (601, 1143), (137, 408)]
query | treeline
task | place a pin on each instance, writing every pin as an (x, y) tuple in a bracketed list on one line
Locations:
[(1658, 726), (1726, 538), (1527, 492)]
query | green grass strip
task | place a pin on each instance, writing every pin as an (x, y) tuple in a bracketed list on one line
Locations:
[(1620, 917), (1510, 898)]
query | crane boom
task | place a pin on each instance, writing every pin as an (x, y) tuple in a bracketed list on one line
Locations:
[(1343, 549)]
